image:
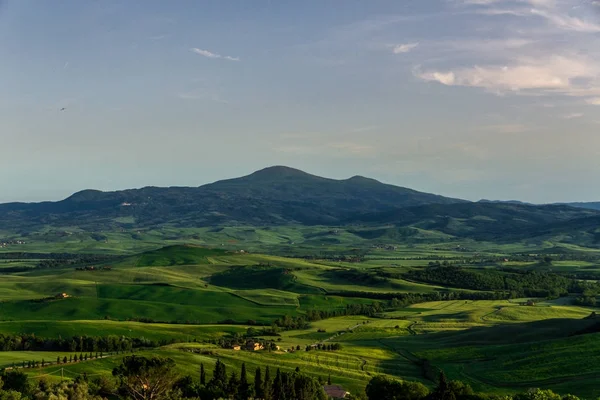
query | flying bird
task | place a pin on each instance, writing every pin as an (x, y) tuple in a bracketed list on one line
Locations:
[(63, 109)]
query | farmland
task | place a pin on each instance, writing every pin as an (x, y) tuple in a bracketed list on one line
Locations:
[(197, 297)]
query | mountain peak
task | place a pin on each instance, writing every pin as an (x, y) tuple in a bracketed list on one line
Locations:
[(362, 180), (278, 171)]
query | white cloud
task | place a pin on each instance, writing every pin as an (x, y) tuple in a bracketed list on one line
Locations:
[(594, 101), (573, 116), (556, 74), (210, 54), (405, 48)]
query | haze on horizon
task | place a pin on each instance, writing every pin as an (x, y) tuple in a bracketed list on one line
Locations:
[(496, 99)]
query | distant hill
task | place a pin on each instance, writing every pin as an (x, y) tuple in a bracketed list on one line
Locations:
[(272, 196), (590, 206), (493, 221)]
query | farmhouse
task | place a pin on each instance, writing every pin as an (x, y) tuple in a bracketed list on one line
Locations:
[(61, 296), (236, 347), (254, 346), (335, 392)]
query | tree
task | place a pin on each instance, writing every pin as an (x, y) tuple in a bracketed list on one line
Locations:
[(75, 358), (258, 384), (43, 363), (383, 388), (58, 360), (65, 360), (267, 385), (146, 378), (244, 387), (219, 379), (202, 374), (443, 391), (537, 394), (15, 380), (329, 379), (278, 391), (232, 386)]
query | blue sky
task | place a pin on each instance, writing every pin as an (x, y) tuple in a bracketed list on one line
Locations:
[(468, 98)]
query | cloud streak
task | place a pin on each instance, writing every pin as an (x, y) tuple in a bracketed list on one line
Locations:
[(210, 54), (404, 48)]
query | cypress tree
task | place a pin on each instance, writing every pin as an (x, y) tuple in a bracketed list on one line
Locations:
[(278, 392), (258, 384), (267, 385), (202, 374), (232, 386), (244, 387)]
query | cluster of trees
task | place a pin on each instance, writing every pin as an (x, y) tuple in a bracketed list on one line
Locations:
[(517, 283), (383, 388), (324, 347), (29, 342), (14, 385), (160, 381)]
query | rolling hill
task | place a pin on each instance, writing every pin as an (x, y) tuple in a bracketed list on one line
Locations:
[(490, 221)]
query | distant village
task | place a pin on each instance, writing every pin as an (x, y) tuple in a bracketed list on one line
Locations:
[(5, 243), (94, 268)]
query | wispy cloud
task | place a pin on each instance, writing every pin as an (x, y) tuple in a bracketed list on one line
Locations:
[(210, 54), (506, 128), (573, 115), (404, 48), (594, 101), (556, 74), (201, 96)]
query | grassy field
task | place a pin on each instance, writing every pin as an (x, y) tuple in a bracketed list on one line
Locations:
[(496, 346)]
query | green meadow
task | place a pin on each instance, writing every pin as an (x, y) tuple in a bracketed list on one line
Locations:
[(196, 296)]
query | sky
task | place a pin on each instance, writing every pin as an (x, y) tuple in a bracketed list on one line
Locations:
[(496, 99)]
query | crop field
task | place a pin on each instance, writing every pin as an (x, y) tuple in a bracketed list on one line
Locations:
[(199, 296)]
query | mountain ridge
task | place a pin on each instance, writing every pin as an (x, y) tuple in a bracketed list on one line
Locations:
[(273, 195), (279, 195)]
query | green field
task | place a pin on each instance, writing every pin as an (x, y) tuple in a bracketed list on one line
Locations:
[(195, 295)]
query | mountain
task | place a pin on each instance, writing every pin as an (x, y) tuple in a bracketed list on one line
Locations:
[(272, 196)]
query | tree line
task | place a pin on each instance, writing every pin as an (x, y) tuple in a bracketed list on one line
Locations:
[(517, 283), (110, 343), (384, 388)]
